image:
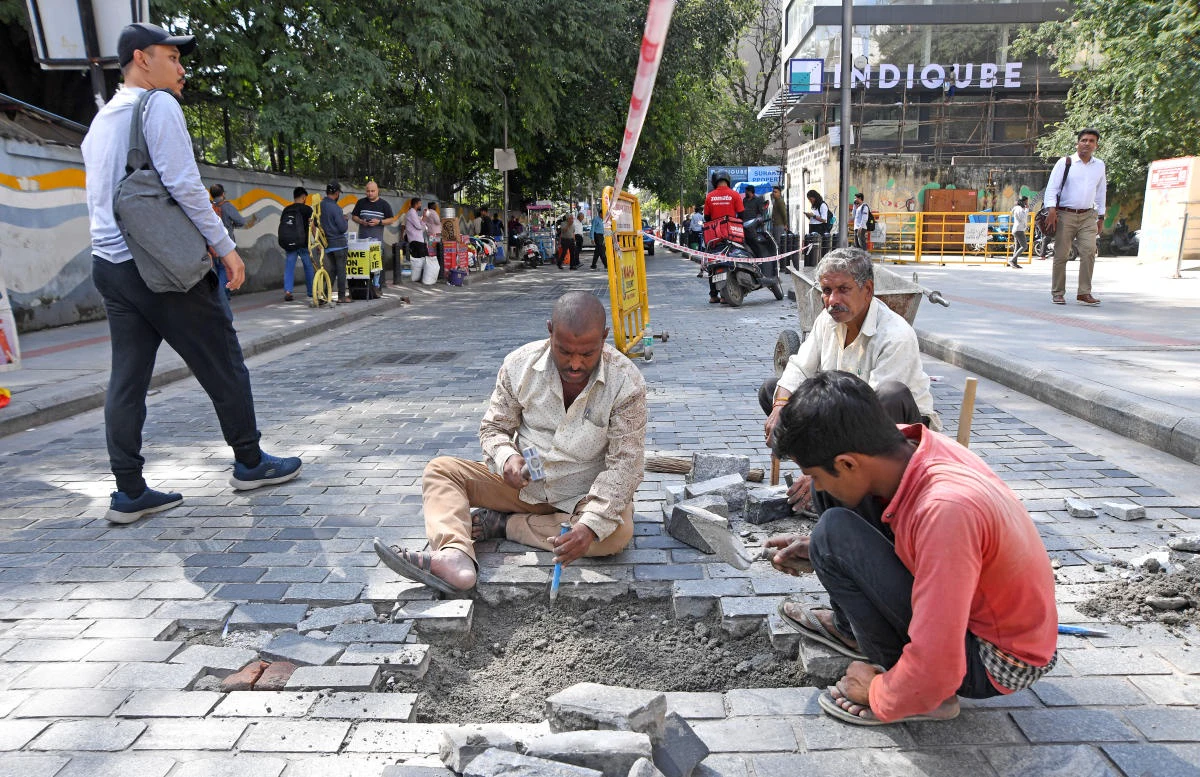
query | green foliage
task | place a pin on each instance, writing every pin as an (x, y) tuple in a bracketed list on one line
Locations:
[(1136, 64)]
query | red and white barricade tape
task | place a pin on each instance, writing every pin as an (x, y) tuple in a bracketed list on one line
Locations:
[(706, 257)]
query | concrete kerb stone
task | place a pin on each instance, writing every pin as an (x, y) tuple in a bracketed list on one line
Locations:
[(1140, 419), (612, 753), (588, 706)]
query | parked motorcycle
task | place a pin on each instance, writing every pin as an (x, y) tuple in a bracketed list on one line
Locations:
[(729, 241), (529, 252), (1124, 242)]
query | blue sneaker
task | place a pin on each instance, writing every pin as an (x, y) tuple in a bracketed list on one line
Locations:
[(270, 470), (122, 509)]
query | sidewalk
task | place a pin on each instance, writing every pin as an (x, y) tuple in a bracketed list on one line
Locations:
[(1131, 365), (64, 371)]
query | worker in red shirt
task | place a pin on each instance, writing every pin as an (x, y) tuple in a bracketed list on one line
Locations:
[(722, 201)]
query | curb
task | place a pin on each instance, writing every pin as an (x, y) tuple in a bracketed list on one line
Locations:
[(82, 396), (1143, 420)]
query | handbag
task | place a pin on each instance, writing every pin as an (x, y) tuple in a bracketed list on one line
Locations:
[(169, 251)]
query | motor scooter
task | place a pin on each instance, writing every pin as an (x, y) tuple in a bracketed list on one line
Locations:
[(728, 246), (1123, 241), (529, 252)]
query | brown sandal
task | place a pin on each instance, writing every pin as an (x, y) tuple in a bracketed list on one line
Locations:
[(488, 524), (413, 565)]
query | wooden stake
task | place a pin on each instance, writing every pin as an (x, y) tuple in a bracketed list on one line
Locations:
[(774, 471), (965, 413)]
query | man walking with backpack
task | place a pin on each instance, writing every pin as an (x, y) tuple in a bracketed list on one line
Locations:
[(293, 239), (196, 323), (864, 222), (1075, 196)]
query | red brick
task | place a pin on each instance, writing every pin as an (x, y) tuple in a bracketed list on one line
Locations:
[(275, 677), (244, 679)]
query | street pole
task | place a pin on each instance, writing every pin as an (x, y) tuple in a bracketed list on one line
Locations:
[(844, 122), (91, 44), (507, 236)]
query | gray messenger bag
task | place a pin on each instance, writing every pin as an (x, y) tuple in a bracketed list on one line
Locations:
[(170, 253)]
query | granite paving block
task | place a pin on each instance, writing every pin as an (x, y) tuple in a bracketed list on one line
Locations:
[(1078, 508), (743, 615), (327, 618), (731, 487), (698, 598), (1166, 724), (1124, 511), (47, 676), (706, 466), (450, 616), (146, 675), (1049, 761), (494, 762), (1087, 692), (974, 727), (219, 661), (263, 704), (387, 737), (322, 593), (612, 753), (644, 768), (295, 736), (233, 765), (406, 659), (1072, 725), (821, 732), (196, 615), (15, 734), (459, 745), (130, 628), (763, 702), (135, 650), (695, 705), (1156, 760), (191, 734), (117, 765), (253, 592), (367, 706), (22, 765), (825, 665), (765, 504), (682, 524), (1186, 659), (680, 750), (338, 678), (267, 616), (1115, 661), (106, 735), (747, 735), (714, 503), (586, 706), (49, 650), (301, 650), (71, 703), (169, 704), (372, 633)]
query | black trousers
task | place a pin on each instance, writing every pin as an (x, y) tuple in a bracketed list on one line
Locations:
[(198, 325), (600, 254), (576, 246)]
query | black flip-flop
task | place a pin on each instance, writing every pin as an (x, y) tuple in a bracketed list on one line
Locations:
[(810, 628), (397, 560), (831, 708)]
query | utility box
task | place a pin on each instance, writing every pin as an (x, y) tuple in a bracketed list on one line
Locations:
[(1171, 212)]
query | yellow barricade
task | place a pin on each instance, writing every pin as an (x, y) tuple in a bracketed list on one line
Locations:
[(627, 278), (363, 257), (950, 237)]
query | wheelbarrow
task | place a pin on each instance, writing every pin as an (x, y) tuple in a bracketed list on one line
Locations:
[(900, 295)]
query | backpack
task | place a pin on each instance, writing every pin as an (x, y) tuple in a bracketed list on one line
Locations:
[(870, 220), (291, 230), (1039, 220)]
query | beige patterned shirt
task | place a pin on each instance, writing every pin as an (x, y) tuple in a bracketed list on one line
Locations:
[(593, 452)]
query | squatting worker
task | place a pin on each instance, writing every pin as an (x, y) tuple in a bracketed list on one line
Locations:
[(859, 334), (582, 405), (950, 591), (1076, 211), (196, 323)]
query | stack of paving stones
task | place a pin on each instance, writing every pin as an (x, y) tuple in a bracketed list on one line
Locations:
[(591, 730), (91, 681)]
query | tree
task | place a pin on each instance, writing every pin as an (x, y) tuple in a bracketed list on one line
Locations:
[(1135, 65)]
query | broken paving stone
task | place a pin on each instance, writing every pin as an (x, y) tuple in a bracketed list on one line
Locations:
[(440, 617), (275, 677), (1187, 544), (207, 683), (1077, 508), (587, 706), (244, 679), (1166, 603), (679, 751), (302, 650), (352, 633), (706, 466), (766, 503), (1125, 511), (673, 494), (824, 665), (328, 617), (612, 753), (644, 768), (460, 745), (495, 762), (731, 487), (682, 524), (714, 503)]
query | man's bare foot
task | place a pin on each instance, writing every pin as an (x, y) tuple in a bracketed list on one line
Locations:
[(945, 711), (448, 570), (455, 567), (825, 618)]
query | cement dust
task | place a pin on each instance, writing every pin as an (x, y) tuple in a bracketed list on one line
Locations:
[(1125, 601), (521, 652)]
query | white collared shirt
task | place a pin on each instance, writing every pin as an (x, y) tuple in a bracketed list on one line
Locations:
[(886, 349), (593, 452), (1086, 184)]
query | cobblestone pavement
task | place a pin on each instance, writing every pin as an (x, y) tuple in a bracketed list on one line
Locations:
[(95, 678)]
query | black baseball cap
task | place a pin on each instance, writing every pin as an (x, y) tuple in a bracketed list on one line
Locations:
[(333, 186), (139, 36)]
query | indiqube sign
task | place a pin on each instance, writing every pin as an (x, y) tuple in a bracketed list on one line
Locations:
[(978, 75)]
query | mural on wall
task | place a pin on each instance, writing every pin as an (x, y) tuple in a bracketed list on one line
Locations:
[(45, 245)]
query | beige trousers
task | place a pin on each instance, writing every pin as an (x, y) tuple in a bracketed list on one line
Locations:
[(1070, 227), (450, 487)]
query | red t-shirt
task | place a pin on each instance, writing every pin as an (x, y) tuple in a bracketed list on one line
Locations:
[(978, 564), (722, 201)]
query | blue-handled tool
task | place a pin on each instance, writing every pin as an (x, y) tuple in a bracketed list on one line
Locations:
[(563, 528), (1080, 631)]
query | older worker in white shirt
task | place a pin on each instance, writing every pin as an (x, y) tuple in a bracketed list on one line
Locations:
[(1075, 196), (582, 405)]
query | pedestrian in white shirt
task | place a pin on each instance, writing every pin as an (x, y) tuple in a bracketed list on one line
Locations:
[(1019, 226), (1075, 195)]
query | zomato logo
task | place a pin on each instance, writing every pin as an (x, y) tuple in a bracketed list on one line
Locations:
[(982, 75)]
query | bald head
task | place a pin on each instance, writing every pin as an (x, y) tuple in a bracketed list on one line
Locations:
[(579, 313)]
